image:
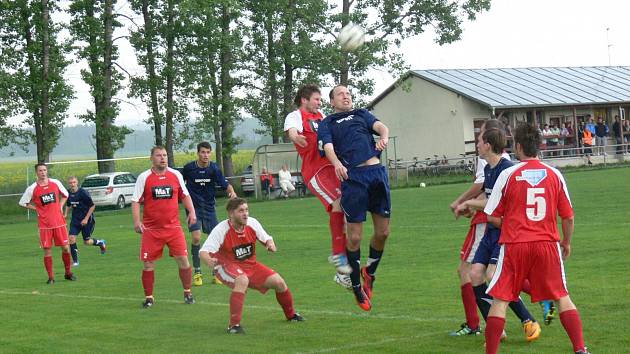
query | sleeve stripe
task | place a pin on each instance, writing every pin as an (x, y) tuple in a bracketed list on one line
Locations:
[(562, 181)]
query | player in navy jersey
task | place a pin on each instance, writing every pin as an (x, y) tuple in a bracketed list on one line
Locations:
[(201, 177), (490, 145), (80, 202), (346, 138)]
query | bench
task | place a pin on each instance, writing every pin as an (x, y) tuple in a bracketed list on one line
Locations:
[(274, 191)]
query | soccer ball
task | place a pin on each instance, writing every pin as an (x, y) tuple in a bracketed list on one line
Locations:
[(351, 37)]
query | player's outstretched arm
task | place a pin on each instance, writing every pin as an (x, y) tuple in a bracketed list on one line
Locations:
[(207, 259), (230, 192), (188, 204), (383, 132), (135, 213), (340, 169), (271, 246), (296, 138), (472, 192), (567, 234)]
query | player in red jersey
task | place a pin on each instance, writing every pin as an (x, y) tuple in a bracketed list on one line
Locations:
[(525, 202), (46, 196), (318, 173), (231, 251), (160, 188)]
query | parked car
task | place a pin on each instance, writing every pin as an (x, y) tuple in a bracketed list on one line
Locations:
[(110, 189), (247, 180)]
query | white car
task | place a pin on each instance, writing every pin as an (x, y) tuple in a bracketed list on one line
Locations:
[(107, 189)]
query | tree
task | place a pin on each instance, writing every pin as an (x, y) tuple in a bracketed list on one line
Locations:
[(32, 64), (92, 27)]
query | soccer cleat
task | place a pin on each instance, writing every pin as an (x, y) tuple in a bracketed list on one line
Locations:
[(296, 318), (50, 281), (189, 299), (236, 329), (75, 264), (70, 276), (549, 311), (583, 351), (198, 279), (103, 247), (343, 280), (340, 261), (148, 303), (362, 300), (466, 331), (216, 280), (532, 330), (368, 282)]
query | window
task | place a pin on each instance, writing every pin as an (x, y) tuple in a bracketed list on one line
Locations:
[(120, 179), (98, 181), (130, 178)]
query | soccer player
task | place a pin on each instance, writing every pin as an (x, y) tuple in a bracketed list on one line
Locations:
[(318, 173), (347, 139), (490, 146), (46, 196), (231, 250), (201, 177), (82, 219), (525, 203), (160, 188)]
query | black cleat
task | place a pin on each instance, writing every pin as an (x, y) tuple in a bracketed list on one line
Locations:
[(189, 299), (236, 329), (584, 351), (296, 318), (464, 330), (148, 303), (50, 281), (70, 277)]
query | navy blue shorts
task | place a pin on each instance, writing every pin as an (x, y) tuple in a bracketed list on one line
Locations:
[(206, 221), (366, 189), (488, 250), (86, 230)]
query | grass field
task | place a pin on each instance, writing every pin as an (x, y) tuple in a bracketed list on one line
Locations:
[(416, 298)]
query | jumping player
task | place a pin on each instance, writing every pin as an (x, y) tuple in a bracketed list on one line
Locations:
[(160, 188), (318, 173), (231, 250), (201, 177), (347, 139), (82, 219), (46, 196), (525, 203)]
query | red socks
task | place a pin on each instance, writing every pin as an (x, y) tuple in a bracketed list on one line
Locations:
[(285, 300), (66, 262), (236, 307), (470, 306), (494, 329), (148, 278), (49, 267), (337, 226), (186, 277), (573, 325)]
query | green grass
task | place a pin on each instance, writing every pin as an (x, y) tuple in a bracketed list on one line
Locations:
[(416, 298)]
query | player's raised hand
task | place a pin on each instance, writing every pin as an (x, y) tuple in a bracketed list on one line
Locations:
[(300, 140), (566, 249), (382, 144), (232, 195), (271, 246), (341, 171), (138, 227)]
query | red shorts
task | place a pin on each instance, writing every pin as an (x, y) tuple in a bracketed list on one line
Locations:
[(540, 262), (326, 186), (153, 241), (257, 274), (475, 234), (58, 234)]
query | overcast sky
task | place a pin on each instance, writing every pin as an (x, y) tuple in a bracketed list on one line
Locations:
[(514, 33)]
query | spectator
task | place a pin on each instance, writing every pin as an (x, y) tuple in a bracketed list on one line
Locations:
[(553, 141), (266, 181), (587, 142), (618, 135), (546, 134), (579, 134), (626, 133), (284, 179), (564, 132), (601, 132), (590, 124), (569, 138)]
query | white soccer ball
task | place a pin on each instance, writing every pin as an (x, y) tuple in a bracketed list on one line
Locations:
[(422, 184), (351, 37)]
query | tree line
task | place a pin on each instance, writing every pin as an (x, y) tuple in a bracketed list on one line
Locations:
[(225, 58)]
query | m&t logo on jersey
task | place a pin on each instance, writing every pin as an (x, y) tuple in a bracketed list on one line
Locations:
[(242, 252), (162, 192), (48, 198)]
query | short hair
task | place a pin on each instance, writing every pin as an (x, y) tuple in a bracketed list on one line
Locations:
[(493, 124), (157, 147), (331, 94), (306, 91), (234, 203), (73, 177), (40, 164), (529, 138), (205, 145), (496, 139)]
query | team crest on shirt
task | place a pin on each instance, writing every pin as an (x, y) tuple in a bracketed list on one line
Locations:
[(533, 177), (242, 252), (314, 124), (162, 192), (48, 198)]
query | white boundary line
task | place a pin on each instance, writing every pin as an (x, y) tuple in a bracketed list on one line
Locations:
[(369, 344)]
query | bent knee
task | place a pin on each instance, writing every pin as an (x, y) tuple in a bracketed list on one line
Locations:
[(241, 281)]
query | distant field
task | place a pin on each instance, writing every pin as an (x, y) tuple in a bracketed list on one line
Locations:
[(416, 298)]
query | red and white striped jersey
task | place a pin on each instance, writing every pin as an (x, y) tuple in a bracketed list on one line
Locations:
[(47, 202), (229, 245)]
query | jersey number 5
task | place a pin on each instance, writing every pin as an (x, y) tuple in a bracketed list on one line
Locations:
[(536, 204)]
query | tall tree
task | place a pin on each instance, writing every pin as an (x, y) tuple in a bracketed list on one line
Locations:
[(32, 64), (92, 27)]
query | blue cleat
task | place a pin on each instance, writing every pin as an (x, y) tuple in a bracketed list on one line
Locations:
[(549, 311)]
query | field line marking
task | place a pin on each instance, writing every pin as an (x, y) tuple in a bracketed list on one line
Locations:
[(367, 344), (221, 304)]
